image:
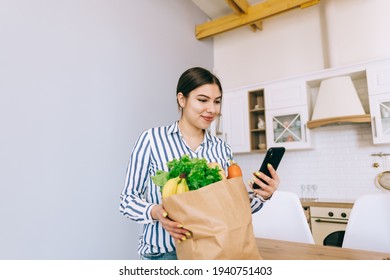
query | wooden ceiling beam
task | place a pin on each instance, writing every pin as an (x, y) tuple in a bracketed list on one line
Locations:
[(241, 7), (255, 13), (238, 6)]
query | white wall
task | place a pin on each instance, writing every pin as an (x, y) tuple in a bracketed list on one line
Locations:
[(332, 34), (79, 80)]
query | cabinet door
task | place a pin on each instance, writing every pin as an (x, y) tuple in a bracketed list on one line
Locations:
[(287, 128), (378, 78), (286, 94), (380, 114), (235, 118)]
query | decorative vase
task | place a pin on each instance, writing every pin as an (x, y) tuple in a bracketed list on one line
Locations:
[(260, 123)]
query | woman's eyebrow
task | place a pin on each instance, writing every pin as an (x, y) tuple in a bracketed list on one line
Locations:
[(208, 97)]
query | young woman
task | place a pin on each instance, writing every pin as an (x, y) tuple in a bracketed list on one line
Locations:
[(199, 97)]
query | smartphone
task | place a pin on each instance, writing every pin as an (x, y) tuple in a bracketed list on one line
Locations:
[(273, 156)]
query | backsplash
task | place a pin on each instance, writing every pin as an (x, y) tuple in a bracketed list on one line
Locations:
[(340, 163)]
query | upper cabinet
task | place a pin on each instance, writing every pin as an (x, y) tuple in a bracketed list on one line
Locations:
[(257, 120), (378, 79), (287, 113), (235, 120), (380, 114)]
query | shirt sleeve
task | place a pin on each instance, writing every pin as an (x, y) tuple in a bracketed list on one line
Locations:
[(133, 203), (256, 203)]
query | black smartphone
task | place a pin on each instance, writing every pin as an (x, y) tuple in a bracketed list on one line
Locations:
[(273, 156)]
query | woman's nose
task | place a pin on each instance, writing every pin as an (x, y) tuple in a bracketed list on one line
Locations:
[(212, 108)]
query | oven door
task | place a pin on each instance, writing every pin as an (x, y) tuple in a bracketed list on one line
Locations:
[(329, 232)]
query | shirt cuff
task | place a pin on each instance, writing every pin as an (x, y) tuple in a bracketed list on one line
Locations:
[(148, 214)]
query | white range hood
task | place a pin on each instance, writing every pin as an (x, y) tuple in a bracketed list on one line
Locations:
[(337, 102)]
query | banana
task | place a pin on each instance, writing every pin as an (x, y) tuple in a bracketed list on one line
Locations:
[(170, 187), (182, 186)]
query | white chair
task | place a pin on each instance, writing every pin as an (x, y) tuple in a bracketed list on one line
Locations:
[(282, 218), (368, 226)]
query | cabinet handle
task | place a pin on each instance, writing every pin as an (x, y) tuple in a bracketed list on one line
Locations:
[(374, 122), (305, 129), (331, 221)]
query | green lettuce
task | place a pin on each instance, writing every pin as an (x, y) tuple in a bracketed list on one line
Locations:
[(195, 170)]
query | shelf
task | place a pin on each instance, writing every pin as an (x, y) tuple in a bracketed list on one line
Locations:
[(257, 110), (340, 120), (257, 114)]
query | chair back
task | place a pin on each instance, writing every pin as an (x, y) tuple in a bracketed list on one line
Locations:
[(368, 226), (282, 218)]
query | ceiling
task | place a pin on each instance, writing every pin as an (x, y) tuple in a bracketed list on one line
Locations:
[(227, 15)]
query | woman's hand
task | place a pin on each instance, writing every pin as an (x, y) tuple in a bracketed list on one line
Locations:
[(268, 189), (175, 229)]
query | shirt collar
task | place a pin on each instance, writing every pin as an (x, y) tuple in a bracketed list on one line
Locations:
[(174, 128)]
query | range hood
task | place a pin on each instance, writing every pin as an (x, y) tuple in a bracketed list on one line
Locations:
[(337, 102)]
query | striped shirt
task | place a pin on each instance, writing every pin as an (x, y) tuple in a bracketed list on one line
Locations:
[(153, 149)]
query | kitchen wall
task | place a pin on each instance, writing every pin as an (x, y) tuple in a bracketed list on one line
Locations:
[(331, 34), (79, 81)]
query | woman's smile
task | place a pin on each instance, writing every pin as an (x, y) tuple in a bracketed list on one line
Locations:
[(209, 119)]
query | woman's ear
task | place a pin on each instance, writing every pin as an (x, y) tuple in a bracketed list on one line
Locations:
[(181, 100)]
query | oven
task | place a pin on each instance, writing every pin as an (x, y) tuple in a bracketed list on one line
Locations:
[(328, 225)]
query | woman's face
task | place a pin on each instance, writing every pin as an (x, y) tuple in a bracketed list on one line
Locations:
[(202, 105)]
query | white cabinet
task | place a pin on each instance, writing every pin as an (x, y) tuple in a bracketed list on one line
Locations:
[(287, 114), (287, 128), (378, 80), (235, 119), (378, 77), (380, 118), (285, 94)]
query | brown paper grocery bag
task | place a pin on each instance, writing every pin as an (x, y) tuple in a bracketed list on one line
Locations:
[(220, 220)]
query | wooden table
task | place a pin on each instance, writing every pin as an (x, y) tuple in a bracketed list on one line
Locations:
[(271, 249)]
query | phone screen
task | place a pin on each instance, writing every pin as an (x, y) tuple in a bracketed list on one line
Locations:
[(273, 156)]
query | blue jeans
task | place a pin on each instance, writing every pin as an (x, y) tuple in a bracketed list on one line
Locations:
[(160, 256)]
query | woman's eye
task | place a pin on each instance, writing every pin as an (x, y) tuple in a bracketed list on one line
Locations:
[(202, 100), (217, 101)]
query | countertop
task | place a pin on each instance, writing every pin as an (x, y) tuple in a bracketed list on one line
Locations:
[(323, 202), (286, 250)]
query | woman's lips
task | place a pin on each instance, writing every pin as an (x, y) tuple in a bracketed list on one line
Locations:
[(208, 119)]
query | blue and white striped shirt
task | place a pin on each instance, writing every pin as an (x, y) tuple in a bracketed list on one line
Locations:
[(153, 149)]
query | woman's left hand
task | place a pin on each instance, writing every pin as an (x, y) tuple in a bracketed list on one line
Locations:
[(268, 189)]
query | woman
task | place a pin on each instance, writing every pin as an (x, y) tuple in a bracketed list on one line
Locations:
[(199, 96)]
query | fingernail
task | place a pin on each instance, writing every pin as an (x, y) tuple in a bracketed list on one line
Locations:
[(257, 173), (188, 233), (179, 241), (180, 226), (165, 214), (250, 182), (253, 178), (184, 238), (269, 164)]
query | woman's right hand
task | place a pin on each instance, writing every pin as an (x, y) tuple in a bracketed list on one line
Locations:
[(174, 228)]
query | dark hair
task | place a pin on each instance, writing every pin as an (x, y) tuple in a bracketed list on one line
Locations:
[(194, 78)]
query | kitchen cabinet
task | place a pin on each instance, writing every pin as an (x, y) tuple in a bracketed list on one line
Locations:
[(257, 121), (378, 77), (378, 80), (380, 118), (235, 120), (287, 128), (287, 114)]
